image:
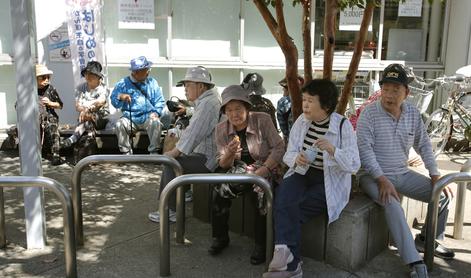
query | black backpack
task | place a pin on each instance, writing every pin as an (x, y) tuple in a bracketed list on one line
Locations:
[(261, 104)]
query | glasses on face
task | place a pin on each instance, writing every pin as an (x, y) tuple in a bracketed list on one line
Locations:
[(44, 77)]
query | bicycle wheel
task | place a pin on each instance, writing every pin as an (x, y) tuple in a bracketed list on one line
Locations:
[(438, 127), (458, 128)]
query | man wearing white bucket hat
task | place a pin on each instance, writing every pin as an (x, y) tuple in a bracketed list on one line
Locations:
[(196, 148), (49, 100)]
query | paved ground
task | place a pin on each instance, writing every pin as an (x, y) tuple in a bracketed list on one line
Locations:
[(121, 242)]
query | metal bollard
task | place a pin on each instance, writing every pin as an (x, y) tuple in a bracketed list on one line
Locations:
[(3, 238), (460, 204), (432, 212), (64, 197), (212, 179), (101, 159)]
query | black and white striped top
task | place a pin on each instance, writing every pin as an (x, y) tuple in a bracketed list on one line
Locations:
[(316, 130)]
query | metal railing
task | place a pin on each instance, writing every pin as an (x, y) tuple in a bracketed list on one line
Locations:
[(64, 197), (101, 159), (432, 213), (460, 204), (212, 179)]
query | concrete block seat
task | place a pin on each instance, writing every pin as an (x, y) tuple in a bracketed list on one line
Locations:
[(355, 238)]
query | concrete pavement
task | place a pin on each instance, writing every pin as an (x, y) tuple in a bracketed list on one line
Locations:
[(121, 242)]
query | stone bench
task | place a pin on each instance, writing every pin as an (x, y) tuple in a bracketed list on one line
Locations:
[(348, 243)]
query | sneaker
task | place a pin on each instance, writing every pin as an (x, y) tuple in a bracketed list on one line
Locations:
[(282, 256), (155, 216), (440, 250), (297, 273), (188, 196), (419, 271)]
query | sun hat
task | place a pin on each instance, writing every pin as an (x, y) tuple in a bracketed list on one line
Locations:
[(93, 67), (395, 73), (42, 70), (140, 63), (197, 74), (253, 83), (234, 92), (283, 83)]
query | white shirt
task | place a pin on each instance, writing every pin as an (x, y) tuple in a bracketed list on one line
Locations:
[(338, 169)]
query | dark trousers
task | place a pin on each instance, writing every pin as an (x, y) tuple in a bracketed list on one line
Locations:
[(298, 198), (220, 211), (191, 164), (50, 136)]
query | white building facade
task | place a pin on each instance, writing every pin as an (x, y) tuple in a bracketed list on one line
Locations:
[(230, 38)]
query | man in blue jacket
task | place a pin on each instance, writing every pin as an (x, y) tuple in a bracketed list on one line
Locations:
[(140, 99)]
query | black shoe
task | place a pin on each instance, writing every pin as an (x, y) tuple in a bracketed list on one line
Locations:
[(218, 245), (64, 144), (56, 161), (440, 250), (258, 255)]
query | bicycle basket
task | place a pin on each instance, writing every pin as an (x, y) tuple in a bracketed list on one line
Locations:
[(420, 98)]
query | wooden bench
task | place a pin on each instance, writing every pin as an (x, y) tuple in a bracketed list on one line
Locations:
[(107, 141)]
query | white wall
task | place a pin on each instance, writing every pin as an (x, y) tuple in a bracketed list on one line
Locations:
[(459, 32)]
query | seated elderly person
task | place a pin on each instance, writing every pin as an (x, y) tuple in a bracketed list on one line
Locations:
[(195, 150), (140, 98), (247, 141), (322, 155), (387, 129)]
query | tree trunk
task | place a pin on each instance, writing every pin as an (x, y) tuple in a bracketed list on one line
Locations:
[(331, 9), (306, 30), (353, 68)]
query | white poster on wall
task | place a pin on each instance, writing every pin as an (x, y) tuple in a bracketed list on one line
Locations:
[(59, 45), (85, 34), (412, 8), (350, 19), (136, 14)]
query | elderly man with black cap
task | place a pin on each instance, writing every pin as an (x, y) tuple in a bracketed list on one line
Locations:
[(141, 100), (196, 149), (386, 131)]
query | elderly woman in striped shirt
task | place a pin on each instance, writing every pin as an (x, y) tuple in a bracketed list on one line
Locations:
[(322, 154)]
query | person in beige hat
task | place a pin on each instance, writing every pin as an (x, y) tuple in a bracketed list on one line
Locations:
[(196, 149), (246, 141), (49, 100)]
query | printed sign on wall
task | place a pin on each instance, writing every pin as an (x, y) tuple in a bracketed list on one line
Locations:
[(136, 14), (350, 19), (59, 45), (412, 8)]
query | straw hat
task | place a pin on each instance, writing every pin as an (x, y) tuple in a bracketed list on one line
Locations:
[(42, 70)]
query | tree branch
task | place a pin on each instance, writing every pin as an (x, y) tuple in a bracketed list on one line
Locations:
[(357, 52), (268, 18)]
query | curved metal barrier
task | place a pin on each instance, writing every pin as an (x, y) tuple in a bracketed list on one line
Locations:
[(460, 204), (101, 159), (212, 179), (432, 212), (64, 197)]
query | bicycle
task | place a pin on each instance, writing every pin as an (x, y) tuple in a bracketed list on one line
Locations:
[(455, 115)]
